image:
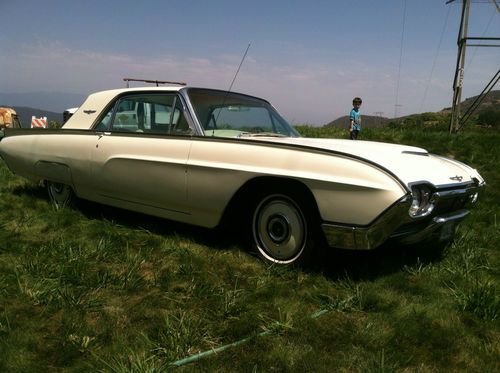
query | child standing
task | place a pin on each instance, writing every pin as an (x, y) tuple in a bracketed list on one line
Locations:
[(355, 119)]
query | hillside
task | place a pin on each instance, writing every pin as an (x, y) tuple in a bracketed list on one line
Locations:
[(369, 121), (491, 101)]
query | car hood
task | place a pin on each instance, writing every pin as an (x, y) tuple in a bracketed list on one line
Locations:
[(410, 164)]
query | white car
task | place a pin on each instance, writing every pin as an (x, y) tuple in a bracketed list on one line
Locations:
[(204, 156)]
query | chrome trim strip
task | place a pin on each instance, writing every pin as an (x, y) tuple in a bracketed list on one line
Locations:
[(462, 185), (415, 153), (190, 109), (452, 193)]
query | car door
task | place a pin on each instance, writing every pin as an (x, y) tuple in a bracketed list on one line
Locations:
[(139, 161)]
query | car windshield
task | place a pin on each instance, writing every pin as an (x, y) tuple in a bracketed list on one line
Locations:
[(234, 115)]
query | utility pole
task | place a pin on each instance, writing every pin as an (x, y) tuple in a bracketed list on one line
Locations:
[(459, 71), (457, 121)]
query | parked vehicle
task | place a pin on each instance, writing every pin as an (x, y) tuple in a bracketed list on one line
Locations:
[(204, 156), (68, 113), (9, 118)]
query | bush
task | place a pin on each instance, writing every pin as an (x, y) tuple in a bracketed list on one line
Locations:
[(54, 125), (489, 118), (424, 121)]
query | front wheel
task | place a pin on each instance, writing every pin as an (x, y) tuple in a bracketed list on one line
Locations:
[(60, 195), (282, 230)]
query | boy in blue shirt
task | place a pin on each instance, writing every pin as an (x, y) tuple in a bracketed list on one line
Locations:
[(355, 119)]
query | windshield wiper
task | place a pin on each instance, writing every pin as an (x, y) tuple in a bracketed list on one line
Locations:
[(261, 134)]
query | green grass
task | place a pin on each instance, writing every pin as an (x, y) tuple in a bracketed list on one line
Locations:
[(99, 289)]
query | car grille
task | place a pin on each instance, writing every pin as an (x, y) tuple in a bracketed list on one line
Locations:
[(444, 206), (450, 205)]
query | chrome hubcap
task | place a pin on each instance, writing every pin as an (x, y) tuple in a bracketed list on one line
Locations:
[(279, 229)]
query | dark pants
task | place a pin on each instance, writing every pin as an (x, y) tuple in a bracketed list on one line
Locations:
[(354, 134)]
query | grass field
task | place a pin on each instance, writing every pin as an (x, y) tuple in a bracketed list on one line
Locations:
[(100, 289)]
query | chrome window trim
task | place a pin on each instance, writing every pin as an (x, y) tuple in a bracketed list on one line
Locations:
[(183, 92)]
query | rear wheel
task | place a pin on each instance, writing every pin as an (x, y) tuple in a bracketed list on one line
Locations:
[(61, 195), (283, 229)]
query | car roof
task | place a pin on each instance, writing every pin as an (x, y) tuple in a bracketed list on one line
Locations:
[(173, 88), (97, 102)]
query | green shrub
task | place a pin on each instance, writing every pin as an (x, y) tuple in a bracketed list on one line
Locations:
[(489, 118)]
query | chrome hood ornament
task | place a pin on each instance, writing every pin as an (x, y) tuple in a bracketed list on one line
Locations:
[(457, 178)]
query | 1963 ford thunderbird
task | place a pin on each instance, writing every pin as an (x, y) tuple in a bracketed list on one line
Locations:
[(204, 156)]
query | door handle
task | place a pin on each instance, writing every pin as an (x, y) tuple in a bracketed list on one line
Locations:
[(101, 134)]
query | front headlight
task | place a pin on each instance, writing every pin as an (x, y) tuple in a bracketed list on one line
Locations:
[(424, 201)]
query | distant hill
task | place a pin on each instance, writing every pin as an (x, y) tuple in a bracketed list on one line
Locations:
[(491, 101), (49, 101), (368, 121), (25, 114)]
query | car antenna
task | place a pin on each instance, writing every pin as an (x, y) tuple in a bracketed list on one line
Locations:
[(231, 86)]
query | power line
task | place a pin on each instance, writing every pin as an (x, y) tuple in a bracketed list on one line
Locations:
[(435, 58), (396, 105)]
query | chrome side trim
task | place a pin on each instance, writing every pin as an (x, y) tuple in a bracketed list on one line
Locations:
[(366, 238), (415, 153)]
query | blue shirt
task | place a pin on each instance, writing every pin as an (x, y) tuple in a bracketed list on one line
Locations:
[(355, 115)]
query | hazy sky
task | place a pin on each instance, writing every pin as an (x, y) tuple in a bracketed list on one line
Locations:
[(309, 58)]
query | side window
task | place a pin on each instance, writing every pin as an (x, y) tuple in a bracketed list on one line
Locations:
[(129, 116), (149, 113)]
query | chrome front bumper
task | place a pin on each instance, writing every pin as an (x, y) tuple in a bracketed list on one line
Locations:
[(441, 226), (395, 223), (366, 238)]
